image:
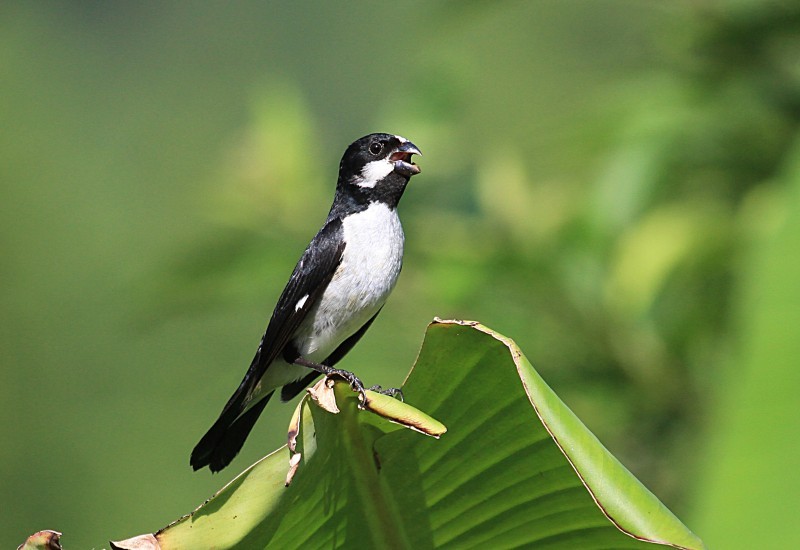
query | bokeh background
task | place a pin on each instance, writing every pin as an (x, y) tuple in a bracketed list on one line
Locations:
[(613, 184)]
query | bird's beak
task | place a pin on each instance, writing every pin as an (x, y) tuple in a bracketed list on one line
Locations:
[(402, 159)]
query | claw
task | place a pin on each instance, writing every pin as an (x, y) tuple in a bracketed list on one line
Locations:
[(391, 392), (355, 383)]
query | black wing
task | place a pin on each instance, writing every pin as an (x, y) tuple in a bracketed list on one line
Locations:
[(309, 280)]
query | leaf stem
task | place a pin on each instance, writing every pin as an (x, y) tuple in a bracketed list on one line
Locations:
[(383, 518)]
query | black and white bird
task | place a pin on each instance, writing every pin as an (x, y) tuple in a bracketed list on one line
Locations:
[(334, 294)]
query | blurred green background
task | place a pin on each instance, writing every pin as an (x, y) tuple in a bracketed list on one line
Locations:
[(613, 184)]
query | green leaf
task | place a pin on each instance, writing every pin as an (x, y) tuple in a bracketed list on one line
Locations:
[(515, 468)]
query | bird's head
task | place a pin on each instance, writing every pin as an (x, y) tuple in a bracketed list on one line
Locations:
[(378, 159)]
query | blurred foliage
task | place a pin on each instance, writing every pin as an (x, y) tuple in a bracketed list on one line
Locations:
[(594, 175), (759, 399)]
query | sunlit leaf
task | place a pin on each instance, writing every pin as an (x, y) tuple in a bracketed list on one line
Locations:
[(515, 468)]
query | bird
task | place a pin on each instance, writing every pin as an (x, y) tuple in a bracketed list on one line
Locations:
[(336, 290)]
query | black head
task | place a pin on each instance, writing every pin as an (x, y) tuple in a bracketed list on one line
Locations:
[(377, 167)]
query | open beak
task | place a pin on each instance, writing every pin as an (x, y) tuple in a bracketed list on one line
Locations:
[(402, 159)]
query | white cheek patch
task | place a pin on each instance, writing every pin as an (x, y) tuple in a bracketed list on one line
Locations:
[(373, 172), (300, 303)]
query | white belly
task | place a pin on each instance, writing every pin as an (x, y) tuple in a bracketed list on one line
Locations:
[(371, 263)]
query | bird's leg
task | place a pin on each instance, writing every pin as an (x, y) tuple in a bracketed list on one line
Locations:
[(391, 392), (354, 381)]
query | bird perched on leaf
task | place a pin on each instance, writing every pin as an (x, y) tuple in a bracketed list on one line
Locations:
[(336, 290)]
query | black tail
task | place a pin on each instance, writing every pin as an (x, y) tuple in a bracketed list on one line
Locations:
[(225, 438)]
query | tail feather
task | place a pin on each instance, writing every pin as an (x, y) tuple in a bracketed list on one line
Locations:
[(223, 441)]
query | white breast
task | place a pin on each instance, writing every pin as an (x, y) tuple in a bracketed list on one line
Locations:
[(371, 262)]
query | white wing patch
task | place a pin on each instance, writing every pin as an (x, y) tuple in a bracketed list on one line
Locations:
[(300, 303)]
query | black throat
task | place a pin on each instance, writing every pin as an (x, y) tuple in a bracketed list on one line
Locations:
[(351, 199)]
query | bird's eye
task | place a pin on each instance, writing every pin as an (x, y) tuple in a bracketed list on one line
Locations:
[(376, 147)]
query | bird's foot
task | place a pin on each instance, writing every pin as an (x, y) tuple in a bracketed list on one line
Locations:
[(391, 392), (354, 381)]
